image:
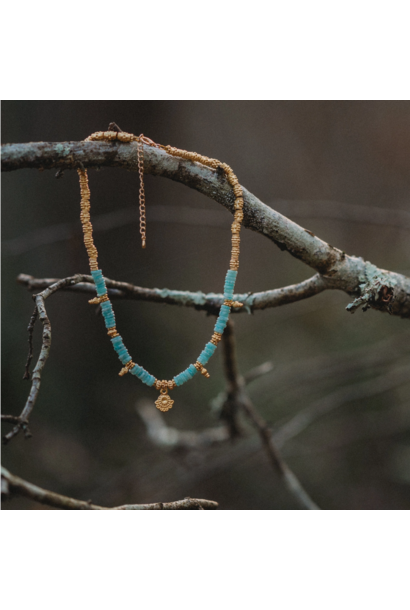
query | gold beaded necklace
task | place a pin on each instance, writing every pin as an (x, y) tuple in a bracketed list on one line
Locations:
[(164, 402)]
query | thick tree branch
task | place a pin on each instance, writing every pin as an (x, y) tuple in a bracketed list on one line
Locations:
[(340, 271), (210, 302), (12, 484)]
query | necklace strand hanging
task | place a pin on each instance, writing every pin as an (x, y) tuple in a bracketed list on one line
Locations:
[(164, 401)]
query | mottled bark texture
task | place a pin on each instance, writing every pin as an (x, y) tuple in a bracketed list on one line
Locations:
[(210, 302), (371, 287)]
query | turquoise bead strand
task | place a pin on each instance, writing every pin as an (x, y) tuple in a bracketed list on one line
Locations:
[(122, 352)]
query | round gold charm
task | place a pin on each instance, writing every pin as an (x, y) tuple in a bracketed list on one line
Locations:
[(164, 402)]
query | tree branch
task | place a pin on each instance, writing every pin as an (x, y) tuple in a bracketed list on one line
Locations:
[(238, 397), (340, 271), (22, 420), (210, 302), (12, 483), (166, 437), (30, 329)]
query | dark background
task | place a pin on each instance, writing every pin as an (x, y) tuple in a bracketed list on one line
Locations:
[(328, 166)]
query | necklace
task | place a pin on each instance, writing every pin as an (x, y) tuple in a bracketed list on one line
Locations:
[(164, 402)]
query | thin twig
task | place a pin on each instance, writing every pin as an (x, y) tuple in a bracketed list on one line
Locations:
[(234, 383), (23, 419), (336, 399), (242, 401), (10, 419), (368, 425), (210, 302), (61, 232), (284, 433), (258, 371), (21, 487), (345, 212), (279, 465), (337, 366), (334, 210)]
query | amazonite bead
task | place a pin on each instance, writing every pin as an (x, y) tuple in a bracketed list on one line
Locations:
[(97, 275), (179, 380), (122, 352), (206, 353), (231, 275), (143, 375), (192, 370), (220, 327)]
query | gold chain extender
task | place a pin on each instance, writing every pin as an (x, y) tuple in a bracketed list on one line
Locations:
[(143, 223)]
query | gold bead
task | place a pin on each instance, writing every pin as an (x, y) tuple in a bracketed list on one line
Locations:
[(216, 337), (112, 332), (199, 367), (164, 384), (124, 137), (98, 300), (126, 368), (231, 303), (232, 179)]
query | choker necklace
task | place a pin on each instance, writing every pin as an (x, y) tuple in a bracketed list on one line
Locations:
[(164, 402)]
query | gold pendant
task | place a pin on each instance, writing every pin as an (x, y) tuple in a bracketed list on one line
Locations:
[(164, 401)]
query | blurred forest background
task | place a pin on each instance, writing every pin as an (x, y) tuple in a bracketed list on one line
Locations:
[(341, 170)]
